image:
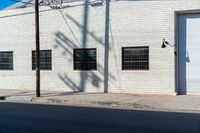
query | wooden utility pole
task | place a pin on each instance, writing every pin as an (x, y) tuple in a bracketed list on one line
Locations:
[(37, 54)]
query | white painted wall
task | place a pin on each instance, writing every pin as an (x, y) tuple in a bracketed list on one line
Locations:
[(133, 23)]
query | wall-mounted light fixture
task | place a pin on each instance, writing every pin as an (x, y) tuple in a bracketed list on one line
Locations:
[(165, 43)]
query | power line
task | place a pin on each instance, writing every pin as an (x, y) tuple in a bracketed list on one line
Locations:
[(70, 28)]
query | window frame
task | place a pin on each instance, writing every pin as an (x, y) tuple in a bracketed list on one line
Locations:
[(85, 49), (43, 69), (12, 63), (122, 60)]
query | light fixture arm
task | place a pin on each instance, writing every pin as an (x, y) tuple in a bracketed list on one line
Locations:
[(164, 43)]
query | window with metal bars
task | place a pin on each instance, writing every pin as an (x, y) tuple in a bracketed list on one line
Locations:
[(85, 59), (6, 60), (45, 60), (135, 58)]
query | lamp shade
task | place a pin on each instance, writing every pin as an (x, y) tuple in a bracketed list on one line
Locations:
[(163, 44)]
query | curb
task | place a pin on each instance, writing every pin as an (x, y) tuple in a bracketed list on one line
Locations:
[(87, 102), (67, 101)]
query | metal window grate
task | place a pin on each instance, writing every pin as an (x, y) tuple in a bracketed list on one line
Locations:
[(85, 59), (135, 58), (45, 60), (6, 60)]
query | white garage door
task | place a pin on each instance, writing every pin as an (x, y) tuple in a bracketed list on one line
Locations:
[(189, 53)]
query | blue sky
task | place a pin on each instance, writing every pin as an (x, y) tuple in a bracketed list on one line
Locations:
[(7, 3)]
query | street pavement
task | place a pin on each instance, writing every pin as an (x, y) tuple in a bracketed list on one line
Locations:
[(35, 118)]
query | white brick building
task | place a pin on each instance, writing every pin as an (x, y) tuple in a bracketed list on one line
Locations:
[(141, 25)]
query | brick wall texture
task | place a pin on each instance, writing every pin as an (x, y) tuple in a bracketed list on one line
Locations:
[(132, 23)]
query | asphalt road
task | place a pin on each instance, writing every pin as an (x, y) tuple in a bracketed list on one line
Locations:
[(32, 118)]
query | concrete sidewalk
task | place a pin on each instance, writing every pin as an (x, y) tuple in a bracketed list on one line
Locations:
[(184, 102)]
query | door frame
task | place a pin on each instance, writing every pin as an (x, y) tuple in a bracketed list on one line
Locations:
[(176, 38)]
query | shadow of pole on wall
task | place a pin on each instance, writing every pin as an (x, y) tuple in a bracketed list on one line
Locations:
[(96, 38), (68, 44), (84, 74), (106, 47)]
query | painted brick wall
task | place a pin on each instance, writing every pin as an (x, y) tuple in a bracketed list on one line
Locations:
[(132, 23)]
